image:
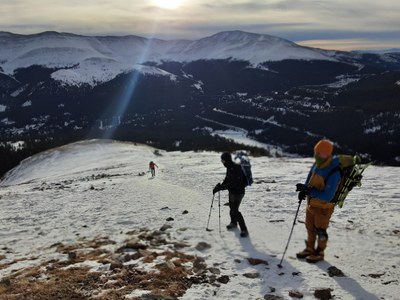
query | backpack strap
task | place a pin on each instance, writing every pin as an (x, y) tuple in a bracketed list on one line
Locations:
[(333, 171)]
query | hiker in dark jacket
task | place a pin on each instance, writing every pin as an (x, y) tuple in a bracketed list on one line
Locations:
[(234, 182)]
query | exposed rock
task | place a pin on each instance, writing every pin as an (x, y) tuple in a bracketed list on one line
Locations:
[(323, 294), (272, 297), (390, 281), (143, 253), (333, 271), (295, 294), (170, 219), (129, 257), (166, 265), (155, 297), (214, 270), (256, 261), (296, 273), (180, 245), (376, 275), (174, 270), (196, 279), (114, 264), (135, 243), (71, 255), (165, 227), (223, 279), (5, 281), (202, 246), (252, 275), (199, 264), (185, 212)]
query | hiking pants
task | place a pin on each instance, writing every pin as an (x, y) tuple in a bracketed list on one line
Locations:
[(235, 214), (153, 172), (317, 222)]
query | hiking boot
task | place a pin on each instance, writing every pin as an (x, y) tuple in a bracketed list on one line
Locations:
[(316, 257), (244, 233), (303, 254), (231, 226)]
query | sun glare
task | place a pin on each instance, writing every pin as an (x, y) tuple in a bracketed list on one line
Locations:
[(168, 4)]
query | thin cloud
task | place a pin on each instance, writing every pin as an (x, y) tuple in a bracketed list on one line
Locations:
[(365, 20)]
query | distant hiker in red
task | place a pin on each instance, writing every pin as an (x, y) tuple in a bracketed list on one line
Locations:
[(152, 168)]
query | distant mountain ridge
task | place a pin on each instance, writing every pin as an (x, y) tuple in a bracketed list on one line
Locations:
[(65, 50), (180, 94), (379, 51)]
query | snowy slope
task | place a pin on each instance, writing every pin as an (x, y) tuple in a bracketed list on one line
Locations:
[(255, 48), (99, 59), (92, 188)]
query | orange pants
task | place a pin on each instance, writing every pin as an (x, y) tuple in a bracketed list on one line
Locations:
[(317, 222)]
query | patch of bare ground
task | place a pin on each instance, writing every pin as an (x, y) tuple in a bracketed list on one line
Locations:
[(147, 261)]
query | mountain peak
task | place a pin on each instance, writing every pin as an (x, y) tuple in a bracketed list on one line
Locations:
[(235, 34), (51, 48), (238, 35)]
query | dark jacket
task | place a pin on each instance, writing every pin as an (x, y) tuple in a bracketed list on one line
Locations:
[(234, 180)]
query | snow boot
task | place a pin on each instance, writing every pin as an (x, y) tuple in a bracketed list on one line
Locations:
[(305, 253), (231, 226), (316, 257), (244, 233), (309, 250)]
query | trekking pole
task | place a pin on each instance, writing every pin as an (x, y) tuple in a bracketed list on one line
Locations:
[(219, 212), (290, 235), (209, 215)]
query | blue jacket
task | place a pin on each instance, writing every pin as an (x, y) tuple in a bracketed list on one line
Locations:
[(327, 192)]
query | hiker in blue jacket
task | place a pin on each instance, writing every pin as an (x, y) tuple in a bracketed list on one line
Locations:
[(322, 182), (234, 182)]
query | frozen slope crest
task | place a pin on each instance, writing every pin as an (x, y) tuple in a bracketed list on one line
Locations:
[(100, 190)]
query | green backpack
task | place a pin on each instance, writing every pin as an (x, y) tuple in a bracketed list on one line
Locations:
[(351, 170)]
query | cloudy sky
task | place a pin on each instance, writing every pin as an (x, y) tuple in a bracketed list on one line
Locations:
[(329, 24)]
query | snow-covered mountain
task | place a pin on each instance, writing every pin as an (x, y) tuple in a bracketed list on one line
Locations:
[(379, 51), (98, 59), (181, 94), (85, 221)]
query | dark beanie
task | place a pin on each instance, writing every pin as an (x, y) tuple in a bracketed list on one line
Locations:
[(226, 156)]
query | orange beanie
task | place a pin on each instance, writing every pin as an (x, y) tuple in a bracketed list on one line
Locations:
[(323, 148)]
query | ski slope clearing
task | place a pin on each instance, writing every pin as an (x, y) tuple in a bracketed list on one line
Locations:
[(89, 214)]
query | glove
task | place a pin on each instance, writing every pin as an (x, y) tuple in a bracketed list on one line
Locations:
[(302, 195), (303, 190), (217, 188), (301, 187)]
